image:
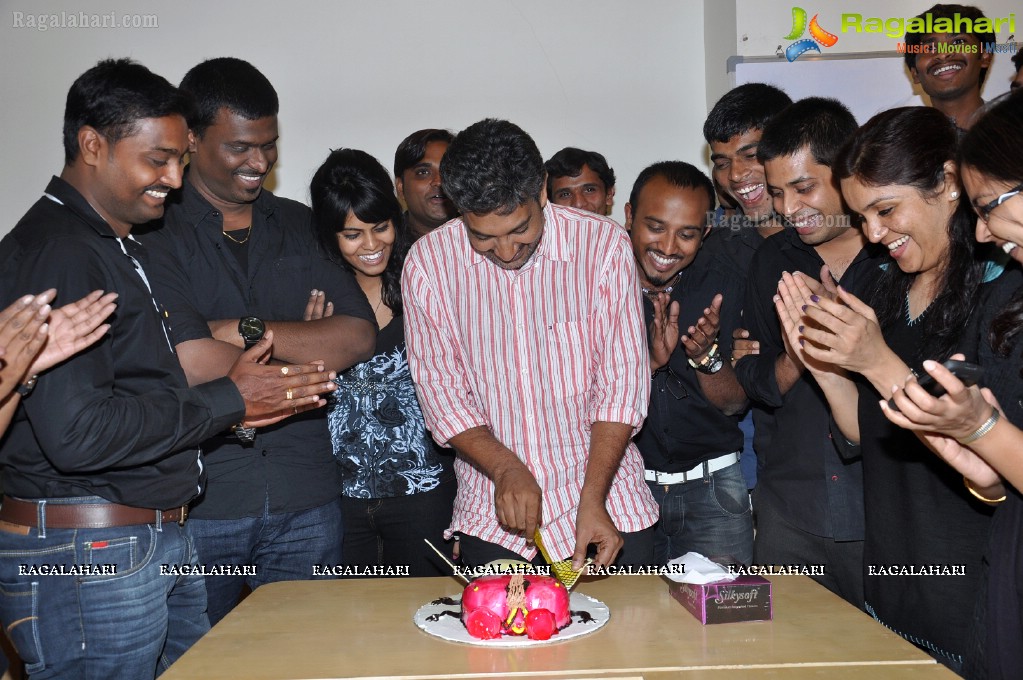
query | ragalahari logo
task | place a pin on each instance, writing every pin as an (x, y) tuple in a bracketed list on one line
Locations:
[(817, 36)]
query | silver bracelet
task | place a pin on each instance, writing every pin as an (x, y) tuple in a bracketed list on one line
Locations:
[(986, 427)]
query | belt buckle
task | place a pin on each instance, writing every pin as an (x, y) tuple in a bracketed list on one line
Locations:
[(184, 515)]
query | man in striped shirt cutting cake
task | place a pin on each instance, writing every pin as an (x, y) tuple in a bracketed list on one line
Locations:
[(526, 342)]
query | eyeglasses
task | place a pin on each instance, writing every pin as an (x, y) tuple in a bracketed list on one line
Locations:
[(985, 210), (674, 385)]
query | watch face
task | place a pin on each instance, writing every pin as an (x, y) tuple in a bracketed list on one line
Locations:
[(251, 328)]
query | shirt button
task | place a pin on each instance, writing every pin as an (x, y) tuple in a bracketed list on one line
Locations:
[(264, 453), (834, 478)]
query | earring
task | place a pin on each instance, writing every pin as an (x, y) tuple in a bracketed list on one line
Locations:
[(955, 194)]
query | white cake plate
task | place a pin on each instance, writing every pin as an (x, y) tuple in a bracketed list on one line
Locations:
[(442, 618)]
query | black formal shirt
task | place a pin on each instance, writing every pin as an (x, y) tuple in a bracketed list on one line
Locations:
[(682, 427), (290, 464), (800, 471), (736, 239), (118, 419)]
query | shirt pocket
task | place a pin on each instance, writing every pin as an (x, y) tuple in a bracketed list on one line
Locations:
[(566, 358)]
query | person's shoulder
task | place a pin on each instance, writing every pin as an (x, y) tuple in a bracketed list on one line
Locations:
[(442, 243), (579, 229)]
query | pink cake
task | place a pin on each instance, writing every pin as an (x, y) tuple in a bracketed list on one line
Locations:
[(515, 604)]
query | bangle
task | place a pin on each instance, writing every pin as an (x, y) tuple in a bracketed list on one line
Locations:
[(26, 388), (708, 358), (973, 492), (985, 427)]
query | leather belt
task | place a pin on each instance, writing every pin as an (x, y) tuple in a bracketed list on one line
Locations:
[(698, 472), (84, 515)]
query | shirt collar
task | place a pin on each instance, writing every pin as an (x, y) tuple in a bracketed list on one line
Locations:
[(61, 191), (197, 208)]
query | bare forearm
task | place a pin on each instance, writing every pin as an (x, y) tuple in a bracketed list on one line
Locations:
[(843, 398), (1002, 449), (8, 405), (206, 359), (786, 372), (607, 446), (483, 449), (339, 341), (723, 390)]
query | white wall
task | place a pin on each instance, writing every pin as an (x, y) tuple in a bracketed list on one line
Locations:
[(623, 78)]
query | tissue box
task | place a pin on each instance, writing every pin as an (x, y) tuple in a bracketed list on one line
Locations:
[(747, 598)]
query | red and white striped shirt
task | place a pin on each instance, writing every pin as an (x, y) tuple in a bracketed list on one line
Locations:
[(537, 355)]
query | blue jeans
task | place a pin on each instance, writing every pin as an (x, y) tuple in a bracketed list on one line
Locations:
[(131, 622), (711, 516), (280, 547)]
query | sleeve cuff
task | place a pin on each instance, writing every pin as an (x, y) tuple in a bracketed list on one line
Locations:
[(446, 427), (224, 401), (619, 414)]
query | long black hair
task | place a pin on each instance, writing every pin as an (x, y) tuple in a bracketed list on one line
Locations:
[(351, 182), (909, 146), (994, 147)]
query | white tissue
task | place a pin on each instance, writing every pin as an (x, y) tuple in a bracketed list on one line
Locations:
[(697, 569)]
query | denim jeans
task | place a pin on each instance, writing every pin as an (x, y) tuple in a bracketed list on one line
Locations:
[(390, 531), (131, 622), (280, 547), (711, 516)]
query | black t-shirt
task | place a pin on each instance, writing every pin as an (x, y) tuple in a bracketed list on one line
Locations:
[(118, 419), (198, 279), (682, 428)]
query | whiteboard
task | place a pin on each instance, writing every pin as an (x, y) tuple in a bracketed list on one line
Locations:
[(865, 82)]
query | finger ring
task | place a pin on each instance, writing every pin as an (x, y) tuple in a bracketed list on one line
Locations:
[(294, 411), (289, 394), (284, 370)]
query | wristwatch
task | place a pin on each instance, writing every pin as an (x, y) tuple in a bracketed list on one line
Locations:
[(711, 362), (252, 329), (244, 434)]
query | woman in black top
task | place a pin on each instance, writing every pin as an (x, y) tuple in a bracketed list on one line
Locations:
[(397, 486), (924, 532), (977, 431)]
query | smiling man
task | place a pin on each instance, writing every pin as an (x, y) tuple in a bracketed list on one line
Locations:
[(102, 457), (953, 69), (808, 500), (581, 179), (231, 262), (691, 441), (417, 179), (526, 344)]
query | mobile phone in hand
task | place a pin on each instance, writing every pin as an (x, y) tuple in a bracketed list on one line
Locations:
[(969, 374)]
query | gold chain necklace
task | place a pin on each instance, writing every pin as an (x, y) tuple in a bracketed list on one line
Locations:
[(248, 233)]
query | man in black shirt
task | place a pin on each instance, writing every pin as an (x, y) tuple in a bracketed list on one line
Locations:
[(417, 179), (232, 259), (732, 130), (953, 65), (808, 500), (691, 440), (102, 458)]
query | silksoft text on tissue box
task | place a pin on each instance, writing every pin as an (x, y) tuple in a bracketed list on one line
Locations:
[(747, 598)]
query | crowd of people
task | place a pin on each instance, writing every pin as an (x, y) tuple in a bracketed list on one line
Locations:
[(465, 353)]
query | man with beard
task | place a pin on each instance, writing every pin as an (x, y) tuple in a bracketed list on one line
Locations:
[(808, 499), (417, 179), (953, 66), (691, 440)]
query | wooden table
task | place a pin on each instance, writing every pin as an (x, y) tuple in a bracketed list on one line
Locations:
[(364, 628)]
